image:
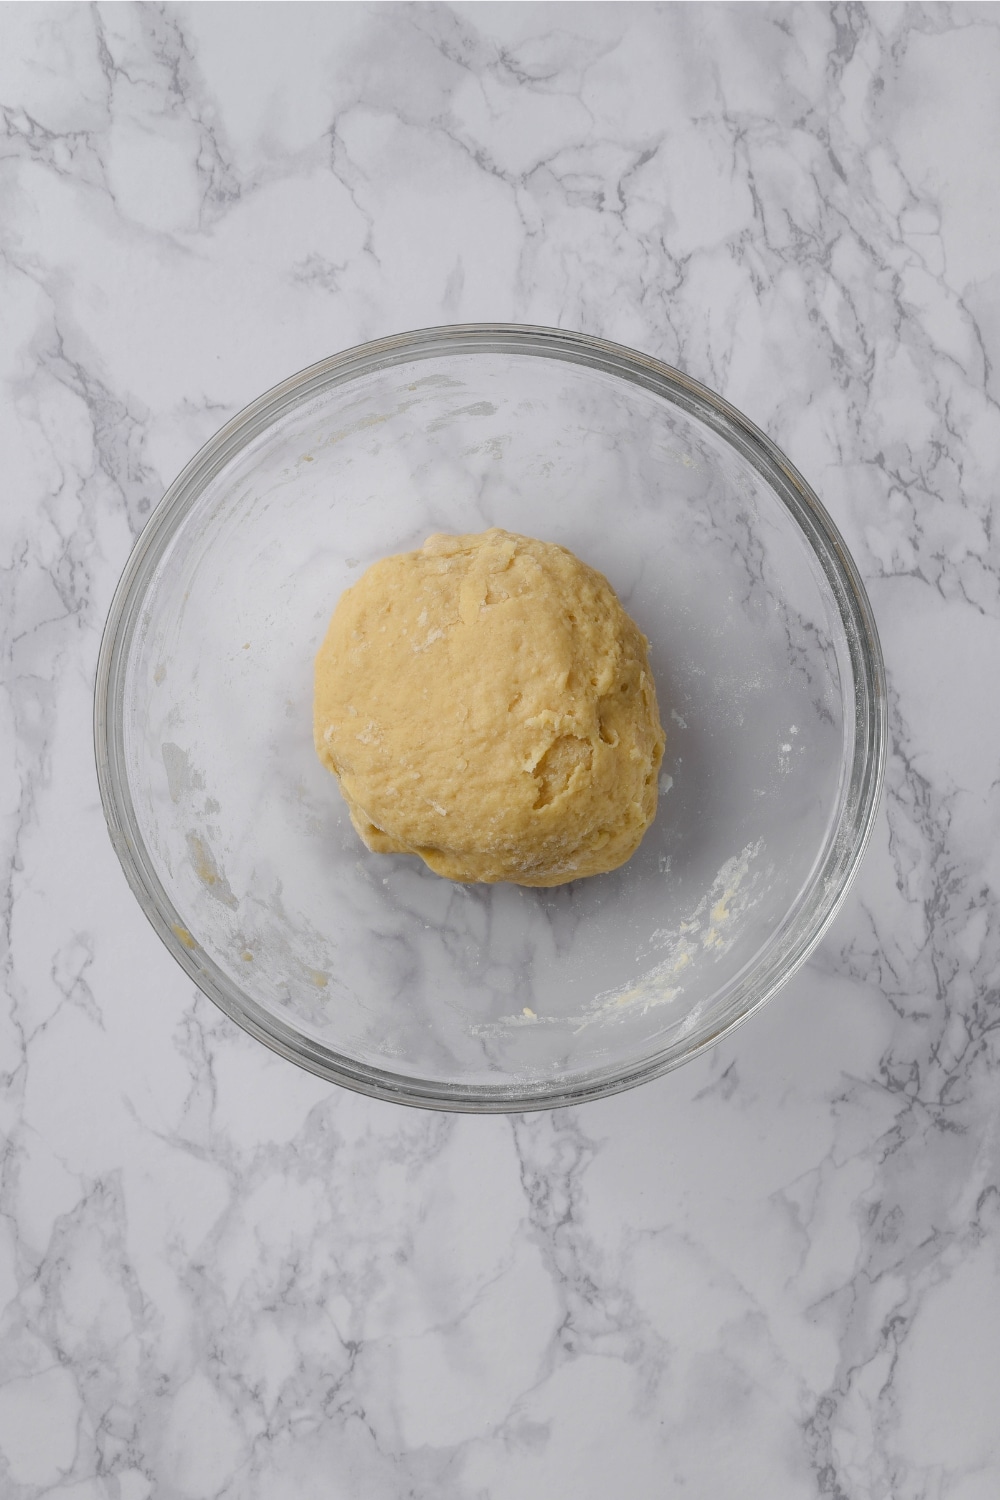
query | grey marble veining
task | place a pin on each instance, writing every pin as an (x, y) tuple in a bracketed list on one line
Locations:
[(773, 1273)]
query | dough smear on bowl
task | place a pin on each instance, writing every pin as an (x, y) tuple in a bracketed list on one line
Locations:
[(487, 704)]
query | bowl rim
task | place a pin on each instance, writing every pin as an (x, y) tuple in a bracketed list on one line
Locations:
[(831, 877)]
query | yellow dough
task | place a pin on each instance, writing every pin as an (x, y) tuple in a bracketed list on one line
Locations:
[(487, 704)]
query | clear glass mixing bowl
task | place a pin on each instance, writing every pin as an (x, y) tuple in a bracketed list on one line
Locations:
[(368, 969)]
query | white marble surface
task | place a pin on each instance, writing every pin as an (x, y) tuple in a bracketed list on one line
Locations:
[(775, 1273)]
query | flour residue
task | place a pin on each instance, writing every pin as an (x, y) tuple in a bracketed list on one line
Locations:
[(711, 929), (208, 872), (182, 778)]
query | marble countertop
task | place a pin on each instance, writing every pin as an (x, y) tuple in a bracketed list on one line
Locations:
[(774, 1273)]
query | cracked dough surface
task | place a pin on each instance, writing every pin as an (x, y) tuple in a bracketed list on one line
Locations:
[(487, 704)]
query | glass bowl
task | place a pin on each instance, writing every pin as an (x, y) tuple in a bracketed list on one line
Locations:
[(368, 969)]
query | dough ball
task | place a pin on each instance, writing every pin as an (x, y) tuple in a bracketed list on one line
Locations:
[(487, 704)]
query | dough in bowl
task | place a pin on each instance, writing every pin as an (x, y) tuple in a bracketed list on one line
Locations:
[(487, 704)]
